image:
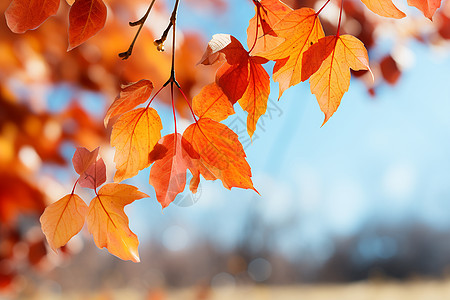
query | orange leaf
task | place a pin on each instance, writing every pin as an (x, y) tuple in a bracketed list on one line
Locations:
[(270, 12), (92, 170), (212, 103), (428, 7), (63, 219), (384, 8), (221, 155), (168, 173), (86, 18), (301, 28), (254, 100), (130, 96), (134, 135), (23, 15), (332, 79), (108, 223)]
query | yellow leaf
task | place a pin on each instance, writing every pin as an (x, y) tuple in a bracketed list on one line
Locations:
[(384, 8), (108, 223), (63, 219), (134, 135), (332, 79)]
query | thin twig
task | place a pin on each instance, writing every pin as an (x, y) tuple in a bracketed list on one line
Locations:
[(140, 22)]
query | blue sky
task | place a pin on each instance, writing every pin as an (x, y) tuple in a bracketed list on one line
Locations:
[(384, 159)]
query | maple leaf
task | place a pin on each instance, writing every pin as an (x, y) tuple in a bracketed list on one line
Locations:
[(172, 156), (301, 28), (86, 18), (23, 15), (221, 155), (92, 170), (63, 219), (108, 223), (242, 77), (270, 12), (134, 135), (130, 96), (212, 103), (331, 59), (428, 7), (384, 8)]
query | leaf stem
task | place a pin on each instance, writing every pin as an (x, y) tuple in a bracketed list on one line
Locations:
[(188, 103), (73, 189), (340, 18), (326, 3), (140, 22), (173, 108), (258, 16)]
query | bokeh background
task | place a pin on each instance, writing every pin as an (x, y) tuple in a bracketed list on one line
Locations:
[(356, 209)]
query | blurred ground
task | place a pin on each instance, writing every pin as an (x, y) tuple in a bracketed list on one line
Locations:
[(365, 290)]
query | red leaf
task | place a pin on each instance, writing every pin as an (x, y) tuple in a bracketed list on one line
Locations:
[(92, 169), (168, 173), (23, 15), (428, 7), (86, 18)]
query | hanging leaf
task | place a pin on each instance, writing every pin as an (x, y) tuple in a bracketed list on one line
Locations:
[(108, 223), (130, 96), (63, 219), (134, 135), (23, 15), (86, 18)]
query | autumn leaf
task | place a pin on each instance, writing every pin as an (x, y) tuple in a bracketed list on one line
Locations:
[(221, 155), (108, 223), (212, 103), (222, 45), (23, 15), (130, 96), (242, 77), (63, 219), (384, 8), (134, 135), (270, 12), (172, 157), (428, 7), (332, 78), (254, 100), (86, 18), (92, 169), (301, 28)]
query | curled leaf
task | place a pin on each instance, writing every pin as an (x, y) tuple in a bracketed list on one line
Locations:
[(130, 96)]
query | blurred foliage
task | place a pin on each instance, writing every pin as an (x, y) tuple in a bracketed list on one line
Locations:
[(33, 65)]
